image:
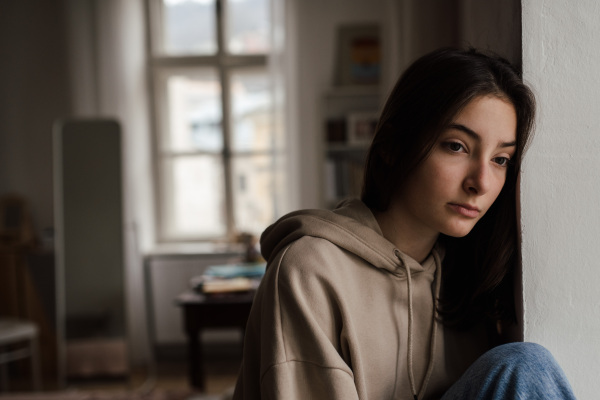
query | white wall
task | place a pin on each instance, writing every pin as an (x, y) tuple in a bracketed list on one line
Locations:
[(561, 187)]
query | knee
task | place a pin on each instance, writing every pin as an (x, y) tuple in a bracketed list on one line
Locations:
[(523, 351), (521, 355), (519, 370)]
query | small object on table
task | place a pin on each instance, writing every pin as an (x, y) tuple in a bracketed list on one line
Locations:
[(229, 278)]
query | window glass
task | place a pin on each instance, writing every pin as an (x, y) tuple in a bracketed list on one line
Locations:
[(189, 27), (254, 203), (251, 110), (247, 26), (194, 112), (219, 154), (195, 196)]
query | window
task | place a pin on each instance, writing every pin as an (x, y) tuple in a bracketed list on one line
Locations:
[(218, 154)]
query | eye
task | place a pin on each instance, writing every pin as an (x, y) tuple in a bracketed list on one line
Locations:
[(454, 147), (502, 161)]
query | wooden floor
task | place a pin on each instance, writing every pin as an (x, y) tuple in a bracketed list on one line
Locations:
[(169, 376)]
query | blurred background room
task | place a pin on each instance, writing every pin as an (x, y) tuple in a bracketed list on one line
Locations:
[(145, 142)]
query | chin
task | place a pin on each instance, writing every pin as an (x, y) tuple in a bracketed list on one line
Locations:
[(458, 231)]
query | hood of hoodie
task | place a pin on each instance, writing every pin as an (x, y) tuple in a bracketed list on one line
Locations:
[(351, 226)]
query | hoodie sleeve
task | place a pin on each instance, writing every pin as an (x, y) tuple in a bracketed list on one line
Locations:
[(294, 346)]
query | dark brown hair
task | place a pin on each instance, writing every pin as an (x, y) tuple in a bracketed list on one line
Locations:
[(478, 268)]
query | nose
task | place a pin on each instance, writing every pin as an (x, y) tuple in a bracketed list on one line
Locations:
[(478, 178)]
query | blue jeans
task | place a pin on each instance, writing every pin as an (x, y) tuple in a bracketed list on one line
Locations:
[(513, 371)]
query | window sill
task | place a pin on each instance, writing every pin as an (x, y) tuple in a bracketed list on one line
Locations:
[(189, 249)]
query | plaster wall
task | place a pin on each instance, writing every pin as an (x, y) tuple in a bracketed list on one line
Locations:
[(33, 78), (560, 188)]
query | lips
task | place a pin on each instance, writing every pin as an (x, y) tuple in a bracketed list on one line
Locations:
[(465, 210)]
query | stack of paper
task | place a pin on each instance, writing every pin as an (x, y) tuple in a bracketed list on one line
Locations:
[(229, 278)]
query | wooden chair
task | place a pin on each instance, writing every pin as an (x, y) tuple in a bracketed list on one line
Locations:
[(19, 340)]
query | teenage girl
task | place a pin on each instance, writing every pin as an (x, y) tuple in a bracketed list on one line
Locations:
[(408, 293)]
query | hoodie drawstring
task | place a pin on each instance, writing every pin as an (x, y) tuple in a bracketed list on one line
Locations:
[(432, 340)]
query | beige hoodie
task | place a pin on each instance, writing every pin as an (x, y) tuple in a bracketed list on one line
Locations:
[(338, 317)]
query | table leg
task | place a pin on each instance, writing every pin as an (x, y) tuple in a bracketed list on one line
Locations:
[(196, 367), (200, 315), (35, 364)]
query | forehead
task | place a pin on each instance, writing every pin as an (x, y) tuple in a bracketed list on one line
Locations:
[(489, 117)]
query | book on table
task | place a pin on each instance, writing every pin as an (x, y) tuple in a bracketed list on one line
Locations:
[(229, 278)]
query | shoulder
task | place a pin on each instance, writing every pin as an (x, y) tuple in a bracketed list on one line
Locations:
[(316, 269), (312, 256), (312, 248)]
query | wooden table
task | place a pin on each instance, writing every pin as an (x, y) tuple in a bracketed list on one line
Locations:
[(199, 312)]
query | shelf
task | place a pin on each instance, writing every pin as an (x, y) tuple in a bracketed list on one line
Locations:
[(346, 112)]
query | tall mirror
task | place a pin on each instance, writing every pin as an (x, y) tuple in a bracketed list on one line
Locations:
[(89, 226)]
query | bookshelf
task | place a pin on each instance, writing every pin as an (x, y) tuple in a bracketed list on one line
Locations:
[(349, 117)]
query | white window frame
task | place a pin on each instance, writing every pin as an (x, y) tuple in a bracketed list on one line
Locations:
[(159, 65)]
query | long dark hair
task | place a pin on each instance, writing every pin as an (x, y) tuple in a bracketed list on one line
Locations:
[(478, 268)]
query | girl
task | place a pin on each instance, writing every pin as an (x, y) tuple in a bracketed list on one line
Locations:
[(396, 295)]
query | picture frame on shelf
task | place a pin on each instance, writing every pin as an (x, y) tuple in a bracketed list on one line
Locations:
[(358, 55), (361, 127)]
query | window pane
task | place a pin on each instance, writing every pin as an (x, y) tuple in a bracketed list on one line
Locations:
[(248, 26), (254, 204), (189, 27), (194, 112), (252, 111), (195, 196)]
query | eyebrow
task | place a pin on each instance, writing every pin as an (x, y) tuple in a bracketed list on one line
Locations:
[(476, 136)]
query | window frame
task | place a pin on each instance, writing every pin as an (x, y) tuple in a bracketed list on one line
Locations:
[(224, 64)]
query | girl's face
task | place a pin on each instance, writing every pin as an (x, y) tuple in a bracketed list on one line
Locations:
[(463, 175)]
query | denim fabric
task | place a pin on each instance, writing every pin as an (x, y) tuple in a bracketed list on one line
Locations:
[(513, 371)]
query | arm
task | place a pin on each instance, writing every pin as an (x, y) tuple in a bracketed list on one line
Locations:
[(292, 346)]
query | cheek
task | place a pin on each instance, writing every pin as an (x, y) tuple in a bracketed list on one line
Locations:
[(500, 185), (432, 184), (430, 181), (496, 191), (435, 180), (444, 178)]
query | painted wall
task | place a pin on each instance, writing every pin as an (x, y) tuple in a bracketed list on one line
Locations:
[(561, 187), (33, 82), (424, 25), (493, 25)]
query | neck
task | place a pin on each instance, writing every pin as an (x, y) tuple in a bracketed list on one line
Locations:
[(416, 245)]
